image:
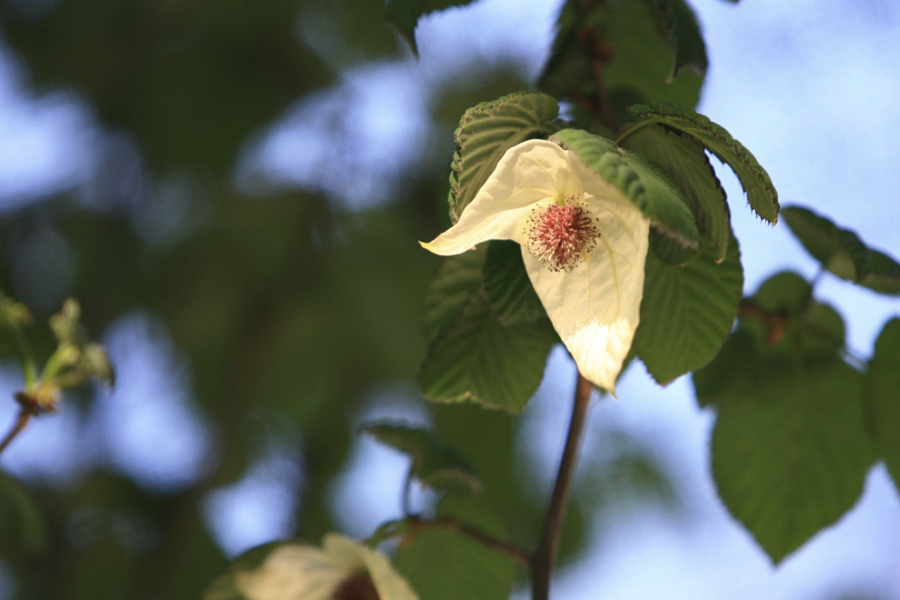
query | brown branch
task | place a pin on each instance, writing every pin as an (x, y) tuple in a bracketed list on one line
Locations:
[(29, 407), (517, 552), (545, 558)]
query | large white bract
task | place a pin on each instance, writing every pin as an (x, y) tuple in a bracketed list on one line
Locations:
[(339, 569), (583, 242)]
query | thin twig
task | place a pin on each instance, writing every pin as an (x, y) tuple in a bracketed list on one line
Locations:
[(21, 421), (517, 552), (544, 559)]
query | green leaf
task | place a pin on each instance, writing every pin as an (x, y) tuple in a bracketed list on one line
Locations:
[(443, 564), (615, 54), (435, 464), (403, 15), (22, 528), (683, 159), (687, 312), (790, 456), (756, 182), (14, 316), (883, 392), (449, 292), (684, 36), (790, 446), (650, 190), (486, 132), (841, 252), (483, 360), (506, 283)]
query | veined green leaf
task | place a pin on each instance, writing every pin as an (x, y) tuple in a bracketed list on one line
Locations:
[(487, 131), (482, 360), (683, 159), (883, 392), (650, 190), (443, 564), (790, 446), (790, 457), (404, 15), (449, 292), (687, 312), (842, 252), (435, 464), (761, 193), (507, 285)]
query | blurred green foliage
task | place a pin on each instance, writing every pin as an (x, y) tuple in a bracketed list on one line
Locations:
[(289, 306)]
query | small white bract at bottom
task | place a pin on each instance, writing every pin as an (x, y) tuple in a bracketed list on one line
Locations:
[(299, 572)]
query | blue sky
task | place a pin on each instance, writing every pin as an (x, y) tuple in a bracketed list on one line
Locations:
[(809, 87)]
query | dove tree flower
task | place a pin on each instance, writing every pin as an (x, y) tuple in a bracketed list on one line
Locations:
[(583, 242), (340, 569)]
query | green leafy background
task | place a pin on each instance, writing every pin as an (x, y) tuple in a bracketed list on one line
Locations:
[(290, 316)]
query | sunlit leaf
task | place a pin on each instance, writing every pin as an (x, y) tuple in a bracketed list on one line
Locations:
[(435, 464), (651, 191), (842, 252), (756, 182), (487, 131), (688, 312), (683, 159)]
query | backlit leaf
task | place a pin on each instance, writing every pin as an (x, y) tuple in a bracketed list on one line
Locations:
[(756, 182), (682, 158), (883, 391), (842, 252)]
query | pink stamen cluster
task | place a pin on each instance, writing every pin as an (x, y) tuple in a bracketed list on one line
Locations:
[(561, 235)]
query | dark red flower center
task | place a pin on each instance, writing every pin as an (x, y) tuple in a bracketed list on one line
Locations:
[(561, 235)]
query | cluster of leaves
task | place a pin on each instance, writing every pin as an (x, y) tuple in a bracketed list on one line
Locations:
[(75, 361), (290, 314), (800, 420), (784, 390), (482, 316)]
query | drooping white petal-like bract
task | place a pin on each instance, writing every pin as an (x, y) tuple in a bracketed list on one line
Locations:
[(583, 242), (298, 572)]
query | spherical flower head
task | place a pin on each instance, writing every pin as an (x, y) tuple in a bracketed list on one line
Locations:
[(341, 570), (583, 242), (561, 235)]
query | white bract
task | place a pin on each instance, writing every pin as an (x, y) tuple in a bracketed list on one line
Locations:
[(583, 242), (341, 568)]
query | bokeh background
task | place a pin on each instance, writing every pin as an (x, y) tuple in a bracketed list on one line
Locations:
[(235, 192)]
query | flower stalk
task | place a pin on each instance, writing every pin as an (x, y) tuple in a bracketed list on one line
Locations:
[(545, 557)]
